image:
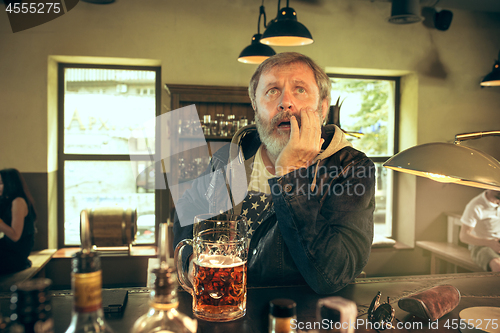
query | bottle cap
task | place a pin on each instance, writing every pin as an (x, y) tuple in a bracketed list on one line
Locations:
[(282, 308)]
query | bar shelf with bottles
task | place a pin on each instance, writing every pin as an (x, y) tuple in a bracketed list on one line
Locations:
[(215, 105), (220, 129)]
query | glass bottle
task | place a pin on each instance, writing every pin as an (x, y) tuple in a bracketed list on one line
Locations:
[(206, 124), (4, 323), (243, 121), (214, 129), (222, 124), (31, 307), (282, 312), (86, 284), (162, 316)]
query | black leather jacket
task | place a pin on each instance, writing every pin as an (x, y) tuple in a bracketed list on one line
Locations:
[(320, 230)]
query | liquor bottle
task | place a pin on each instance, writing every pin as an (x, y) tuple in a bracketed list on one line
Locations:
[(162, 316), (206, 124), (282, 312), (31, 307), (86, 284), (4, 323)]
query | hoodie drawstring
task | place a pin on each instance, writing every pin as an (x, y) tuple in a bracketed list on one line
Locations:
[(313, 185)]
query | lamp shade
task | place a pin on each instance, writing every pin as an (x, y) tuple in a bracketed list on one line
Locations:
[(256, 52), (285, 30), (493, 78), (405, 12), (449, 163), (100, 2)]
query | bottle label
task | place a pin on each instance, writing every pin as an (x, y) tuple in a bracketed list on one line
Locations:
[(87, 288)]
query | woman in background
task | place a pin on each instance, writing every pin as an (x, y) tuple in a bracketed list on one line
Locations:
[(17, 222)]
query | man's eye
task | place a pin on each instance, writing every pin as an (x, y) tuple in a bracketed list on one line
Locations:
[(272, 91), (301, 90)]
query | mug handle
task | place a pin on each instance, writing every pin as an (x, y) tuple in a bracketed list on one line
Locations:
[(181, 275)]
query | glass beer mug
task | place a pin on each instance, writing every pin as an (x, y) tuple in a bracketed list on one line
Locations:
[(220, 249)]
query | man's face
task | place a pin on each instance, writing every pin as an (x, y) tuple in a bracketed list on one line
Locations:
[(493, 196), (284, 91)]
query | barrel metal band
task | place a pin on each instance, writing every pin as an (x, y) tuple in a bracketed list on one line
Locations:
[(124, 227)]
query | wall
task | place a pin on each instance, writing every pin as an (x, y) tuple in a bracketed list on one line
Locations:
[(197, 42)]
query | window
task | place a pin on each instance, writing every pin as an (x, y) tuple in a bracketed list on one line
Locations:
[(369, 112), (99, 109)]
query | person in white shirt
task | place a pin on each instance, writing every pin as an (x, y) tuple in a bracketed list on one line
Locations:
[(481, 229)]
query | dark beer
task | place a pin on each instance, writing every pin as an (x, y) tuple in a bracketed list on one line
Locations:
[(219, 287)]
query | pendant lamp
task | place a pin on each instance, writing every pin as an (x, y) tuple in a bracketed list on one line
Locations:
[(451, 163), (405, 12), (493, 78), (256, 52), (100, 2), (285, 30)]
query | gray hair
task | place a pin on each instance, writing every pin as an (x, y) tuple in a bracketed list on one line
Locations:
[(287, 58)]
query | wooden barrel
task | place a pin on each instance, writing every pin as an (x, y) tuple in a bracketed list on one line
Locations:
[(112, 226)]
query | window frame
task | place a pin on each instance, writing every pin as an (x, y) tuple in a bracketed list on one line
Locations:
[(62, 156), (397, 107)]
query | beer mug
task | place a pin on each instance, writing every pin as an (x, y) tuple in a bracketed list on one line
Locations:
[(220, 251)]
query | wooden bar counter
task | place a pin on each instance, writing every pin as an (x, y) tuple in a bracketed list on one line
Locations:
[(477, 289)]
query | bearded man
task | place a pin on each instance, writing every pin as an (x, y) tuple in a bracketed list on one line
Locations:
[(309, 195)]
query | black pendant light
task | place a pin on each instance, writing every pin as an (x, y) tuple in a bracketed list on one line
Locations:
[(100, 2), (405, 12), (493, 78), (256, 52), (285, 30)]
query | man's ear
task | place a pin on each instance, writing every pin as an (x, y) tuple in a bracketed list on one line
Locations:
[(324, 109), (253, 106)]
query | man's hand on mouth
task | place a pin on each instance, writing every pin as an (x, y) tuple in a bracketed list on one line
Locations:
[(304, 144)]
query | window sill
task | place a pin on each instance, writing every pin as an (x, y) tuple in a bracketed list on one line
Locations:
[(137, 251), (395, 247)]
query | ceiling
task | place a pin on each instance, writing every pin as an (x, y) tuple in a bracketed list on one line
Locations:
[(472, 5)]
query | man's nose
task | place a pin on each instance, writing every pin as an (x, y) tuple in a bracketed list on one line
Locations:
[(286, 102)]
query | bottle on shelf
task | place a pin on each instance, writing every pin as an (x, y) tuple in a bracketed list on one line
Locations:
[(86, 283), (230, 125), (243, 121), (162, 315), (214, 128), (220, 120), (206, 124), (31, 307)]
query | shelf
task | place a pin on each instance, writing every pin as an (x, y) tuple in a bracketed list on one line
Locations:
[(207, 138)]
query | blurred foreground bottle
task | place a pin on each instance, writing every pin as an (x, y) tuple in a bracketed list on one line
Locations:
[(86, 284), (162, 316), (31, 307)]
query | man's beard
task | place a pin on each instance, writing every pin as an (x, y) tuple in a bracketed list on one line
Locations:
[(273, 139)]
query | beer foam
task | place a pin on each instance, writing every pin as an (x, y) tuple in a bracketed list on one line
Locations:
[(218, 261)]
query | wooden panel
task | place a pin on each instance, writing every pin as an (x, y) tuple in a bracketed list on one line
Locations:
[(454, 225)]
